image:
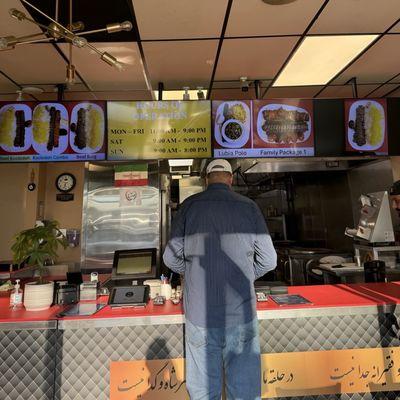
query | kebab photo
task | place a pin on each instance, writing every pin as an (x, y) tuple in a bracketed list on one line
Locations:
[(13, 128), (285, 126), (88, 128), (367, 126), (47, 126)]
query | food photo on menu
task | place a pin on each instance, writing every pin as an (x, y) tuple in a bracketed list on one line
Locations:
[(283, 128), (366, 126), (52, 131), (232, 128), (15, 127)]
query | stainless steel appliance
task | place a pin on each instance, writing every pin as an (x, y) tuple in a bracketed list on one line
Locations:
[(114, 221)]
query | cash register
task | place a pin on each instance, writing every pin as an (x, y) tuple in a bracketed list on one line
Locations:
[(132, 267)]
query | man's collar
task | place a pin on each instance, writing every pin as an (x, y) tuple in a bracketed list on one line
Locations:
[(214, 186)]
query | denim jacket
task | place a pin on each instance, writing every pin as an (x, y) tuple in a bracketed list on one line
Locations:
[(220, 243)]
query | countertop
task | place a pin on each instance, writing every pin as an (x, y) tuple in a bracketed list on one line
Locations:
[(321, 296)]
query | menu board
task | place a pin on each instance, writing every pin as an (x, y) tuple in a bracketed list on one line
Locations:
[(366, 126), (52, 131), (158, 129), (263, 128)]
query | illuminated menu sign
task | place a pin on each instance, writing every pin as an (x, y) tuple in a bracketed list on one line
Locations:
[(70, 131), (263, 128), (366, 129), (158, 129)]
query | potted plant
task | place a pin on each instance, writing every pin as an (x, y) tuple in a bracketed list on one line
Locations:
[(36, 247)]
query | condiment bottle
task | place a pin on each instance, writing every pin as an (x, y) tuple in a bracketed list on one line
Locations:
[(16, 296)]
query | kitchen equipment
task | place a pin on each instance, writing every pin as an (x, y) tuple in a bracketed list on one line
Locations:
[(66, 293), (375, 224), (88, 291)]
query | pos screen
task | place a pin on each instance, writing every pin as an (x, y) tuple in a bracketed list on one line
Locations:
[(134, 263)]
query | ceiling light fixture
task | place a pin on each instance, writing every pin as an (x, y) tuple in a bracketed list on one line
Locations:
[(55, 31), (320, 58)]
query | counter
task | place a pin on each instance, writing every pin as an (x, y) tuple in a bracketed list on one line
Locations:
[(98, 357)]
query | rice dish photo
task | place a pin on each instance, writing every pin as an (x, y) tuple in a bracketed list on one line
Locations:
[(368, 125)]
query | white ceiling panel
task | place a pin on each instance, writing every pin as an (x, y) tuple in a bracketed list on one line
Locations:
[(384, 89), (129, 95), (255, 58), (357, 16), (255, 18), (378, 64), (396, 29), (364, 90), (9, 97), (395, 93), (232, 94), (6, 86), (179, 64), (180, 19), (12, 27), (34, 64), (295, 92), (101, 76), (337, 92)]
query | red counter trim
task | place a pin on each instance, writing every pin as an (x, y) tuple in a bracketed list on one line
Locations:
[(372, 294)]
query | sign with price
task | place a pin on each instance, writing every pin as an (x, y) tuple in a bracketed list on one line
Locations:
[(147, 130)]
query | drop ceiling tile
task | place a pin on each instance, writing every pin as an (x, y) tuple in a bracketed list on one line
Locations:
[(257, 58), (380, 63), (33, 64), (296, 92), (364, 90), (6, 85), (75, 96), (255, 18), (357, 16), (180, 19), (235, 84), (396, 93), (382, 91), (128, 95), (232, 94), (101, 76), (12, 27), (178, 64), (339, 92), (47, 96), (396, 29), (8, 97)]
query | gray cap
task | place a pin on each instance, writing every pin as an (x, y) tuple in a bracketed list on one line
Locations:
[(395, 189), (219, 166)]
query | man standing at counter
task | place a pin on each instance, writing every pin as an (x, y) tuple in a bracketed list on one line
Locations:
[(220, 243)]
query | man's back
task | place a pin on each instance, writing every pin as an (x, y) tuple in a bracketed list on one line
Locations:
[(225, 248)]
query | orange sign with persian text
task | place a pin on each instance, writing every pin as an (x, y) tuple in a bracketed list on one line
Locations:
[(283, 374)]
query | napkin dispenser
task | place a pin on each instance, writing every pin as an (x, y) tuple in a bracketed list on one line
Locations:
[(66, 293)]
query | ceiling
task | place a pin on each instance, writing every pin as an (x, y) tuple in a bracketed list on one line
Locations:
[(204, 43)]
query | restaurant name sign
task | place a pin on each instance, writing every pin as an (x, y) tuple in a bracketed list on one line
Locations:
[(283, 375), (159, 129)]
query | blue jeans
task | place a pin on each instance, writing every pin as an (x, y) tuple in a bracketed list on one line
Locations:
[(215, 355)]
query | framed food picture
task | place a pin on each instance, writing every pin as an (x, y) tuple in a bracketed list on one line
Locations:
[(232, 122), (366, 126), (51, 131), (283, 128)]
